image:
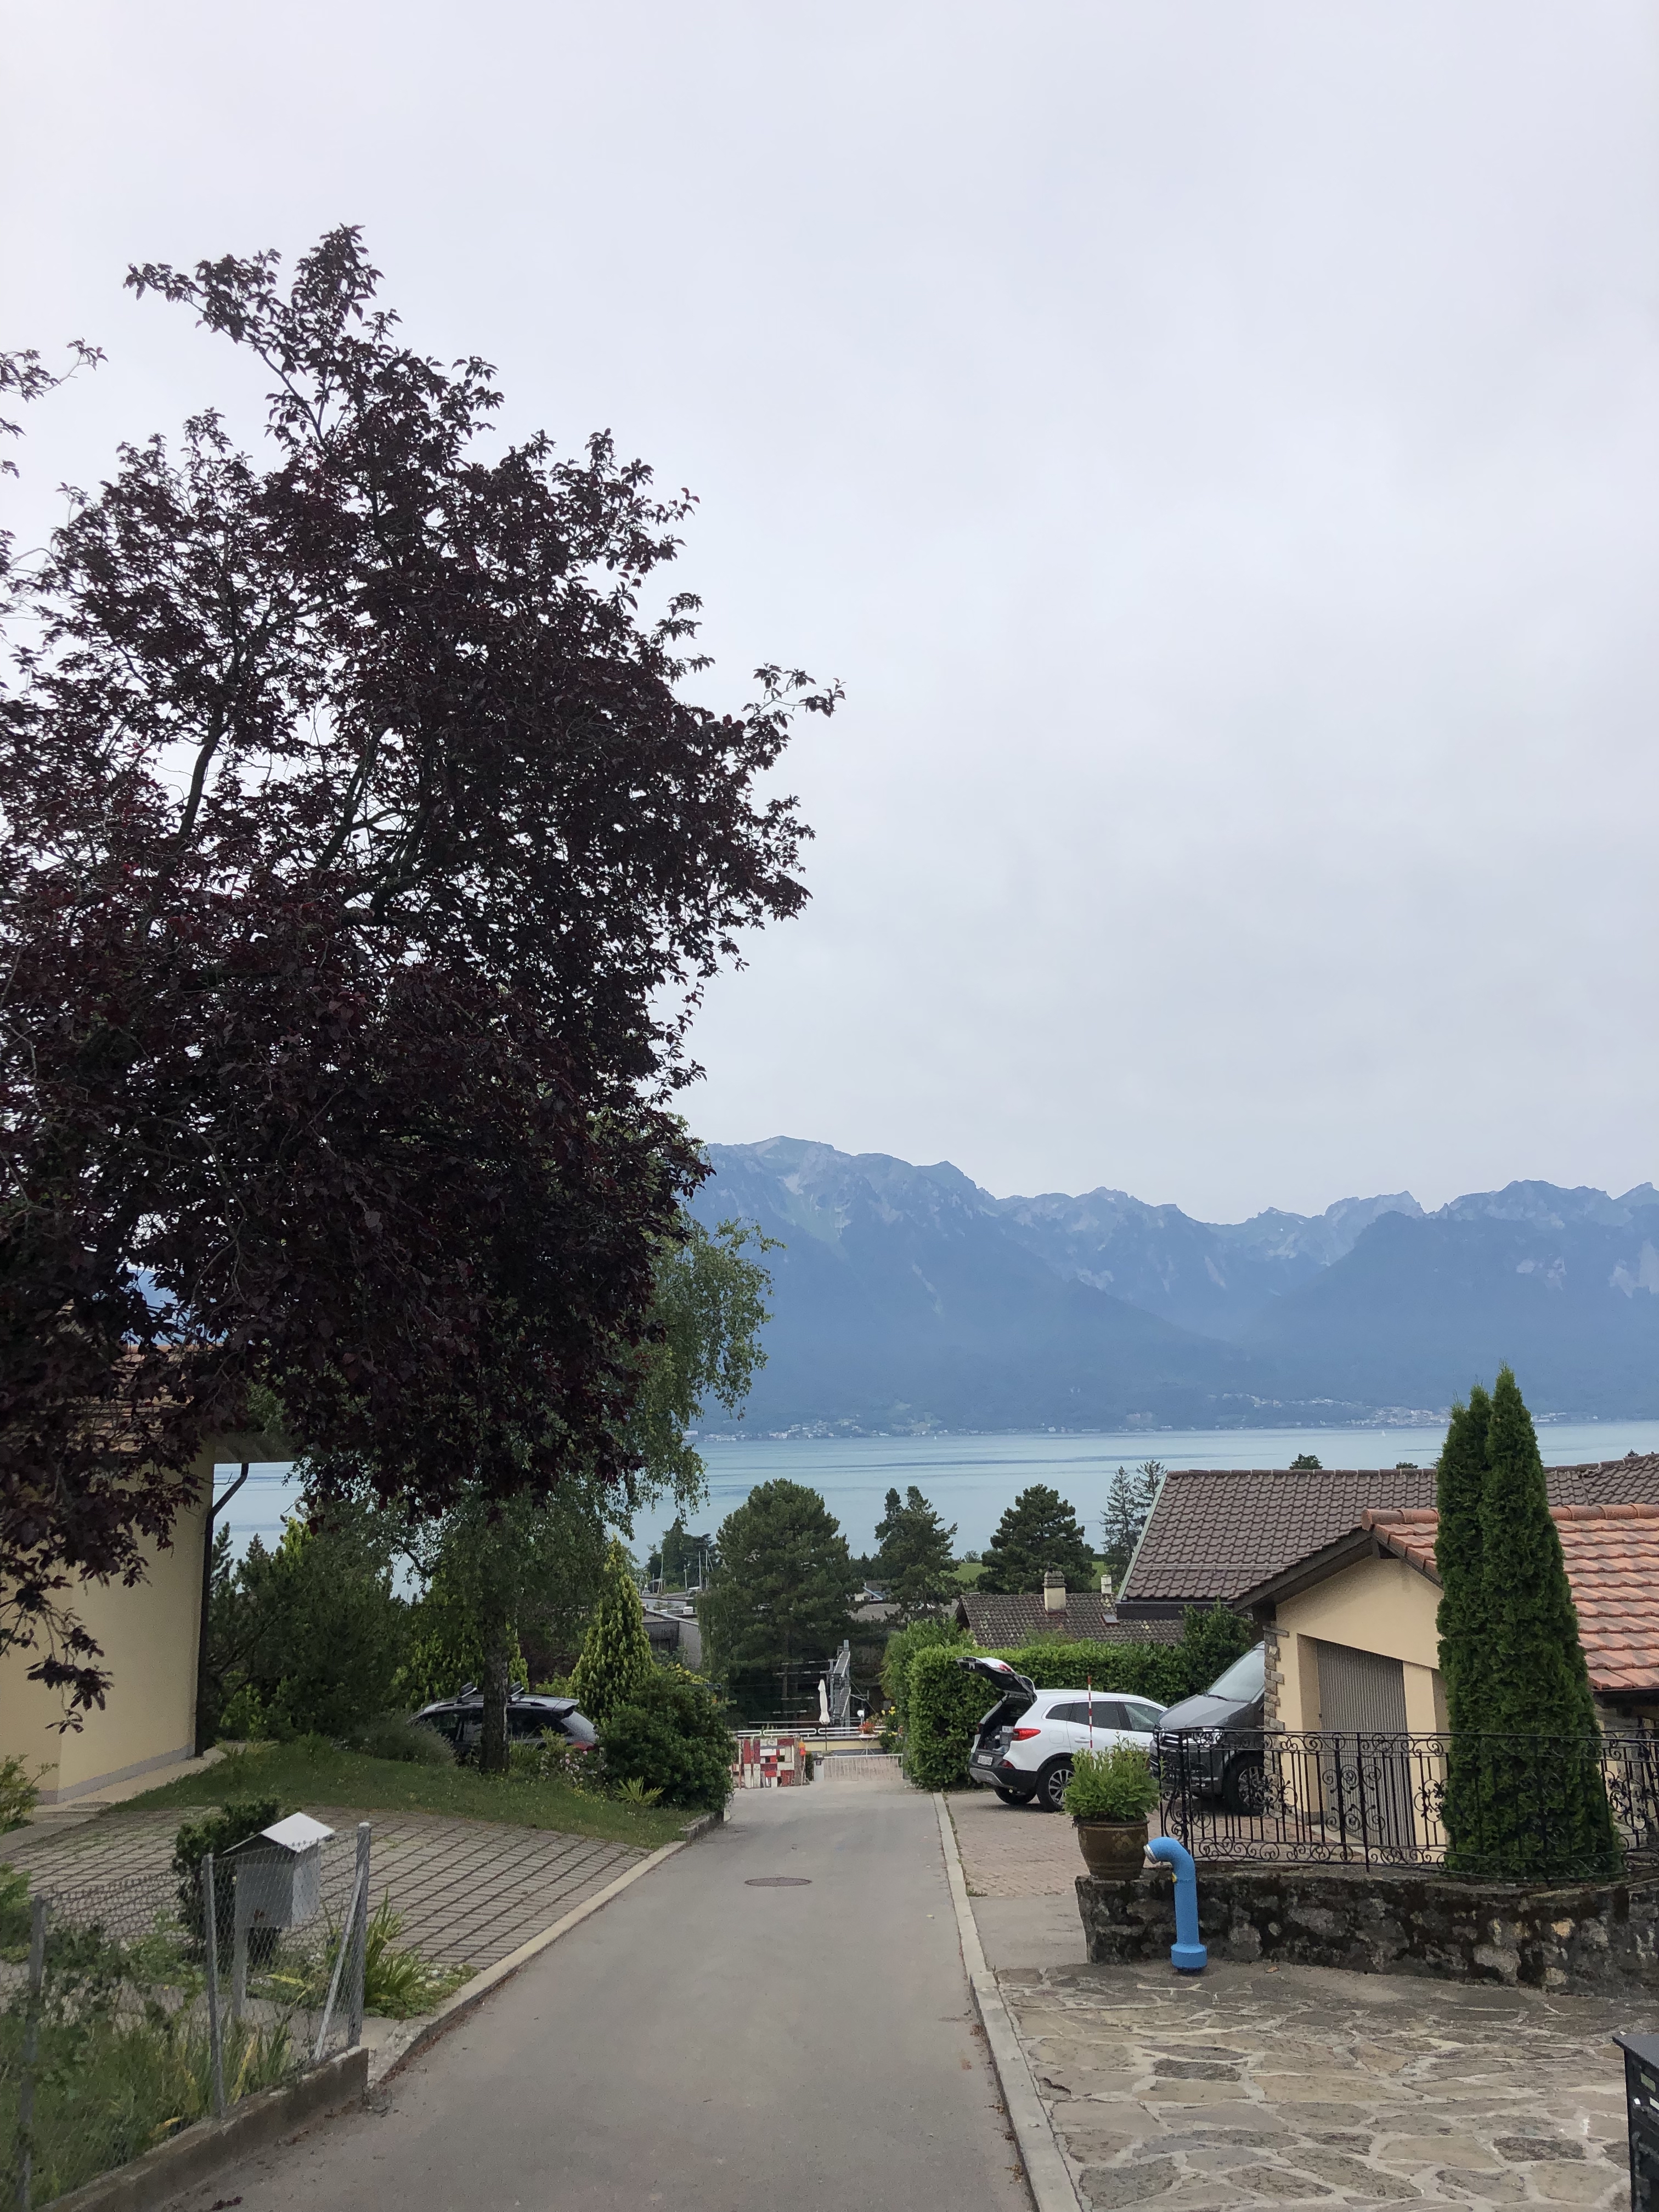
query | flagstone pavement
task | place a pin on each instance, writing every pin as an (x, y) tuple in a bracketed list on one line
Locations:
[(1251, 2087)]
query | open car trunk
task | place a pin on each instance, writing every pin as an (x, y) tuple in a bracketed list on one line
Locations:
[(1015, 1692)]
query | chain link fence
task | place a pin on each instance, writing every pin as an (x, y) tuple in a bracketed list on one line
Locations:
[(129, 2010)]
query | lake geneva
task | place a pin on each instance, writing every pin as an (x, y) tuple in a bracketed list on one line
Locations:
[(971, 1477)]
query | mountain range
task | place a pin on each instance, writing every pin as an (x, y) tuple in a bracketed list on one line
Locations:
[(907, 1298)]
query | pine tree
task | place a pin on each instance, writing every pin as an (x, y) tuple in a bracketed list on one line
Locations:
[(913, 1563), (1038, 1534), (1124, 1518), (1547, 1807), (616, 1653), (777, 1606), (1459, 1480)]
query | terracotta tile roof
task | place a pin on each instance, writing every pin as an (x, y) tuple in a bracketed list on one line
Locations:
[(1612, 1553), (1003, 1624), (1215, 1532)]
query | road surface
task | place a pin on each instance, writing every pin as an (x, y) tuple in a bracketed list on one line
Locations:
[(703, 2043)]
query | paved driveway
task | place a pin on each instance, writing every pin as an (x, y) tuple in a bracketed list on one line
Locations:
[(469, 1890), (777, 2017)]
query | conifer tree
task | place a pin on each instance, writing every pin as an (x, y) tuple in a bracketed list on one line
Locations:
[(1040, 1531), (616, 1653), (1460, 1479), (915, 1558), (1547, 1810)]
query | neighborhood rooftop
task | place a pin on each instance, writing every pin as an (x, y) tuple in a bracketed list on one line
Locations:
[(1003, 1624), (1217, 1532), (1612, 1555)]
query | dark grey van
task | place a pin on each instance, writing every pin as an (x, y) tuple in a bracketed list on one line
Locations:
[(1211, 1744)]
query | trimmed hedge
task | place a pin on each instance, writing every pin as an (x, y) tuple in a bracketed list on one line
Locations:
[(1143, 1670), (946, 1705), (902, 1646)]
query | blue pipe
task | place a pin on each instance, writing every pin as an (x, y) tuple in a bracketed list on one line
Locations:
[(1187, 1955)]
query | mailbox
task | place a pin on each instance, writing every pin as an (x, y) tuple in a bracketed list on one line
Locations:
[(279, 1874), (1642, 2112)]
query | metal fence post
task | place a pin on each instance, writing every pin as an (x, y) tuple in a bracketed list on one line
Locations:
[(216, 2039), (31, 2051), (359, 1940)]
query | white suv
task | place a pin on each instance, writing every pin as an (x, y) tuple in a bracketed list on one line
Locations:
[(1022, 1747)]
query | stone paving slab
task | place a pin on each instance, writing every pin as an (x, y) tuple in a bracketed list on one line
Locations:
[(1255, 2086), (469, 1890)]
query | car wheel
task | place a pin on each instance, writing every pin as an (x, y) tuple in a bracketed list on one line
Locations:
[(1051, 1784), (1012, 1796), (1244, 1787)]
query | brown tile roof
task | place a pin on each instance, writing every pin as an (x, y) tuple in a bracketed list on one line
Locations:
[(1612, 1553), (1217, 1532), (1003, 1624)]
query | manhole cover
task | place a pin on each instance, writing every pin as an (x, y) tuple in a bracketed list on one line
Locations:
[(779, 1882)]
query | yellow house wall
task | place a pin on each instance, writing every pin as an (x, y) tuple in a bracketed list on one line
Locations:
[(149, 1638), (1376, 1604)]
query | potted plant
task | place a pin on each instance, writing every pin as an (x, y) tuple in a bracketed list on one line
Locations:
[(1108, 1796)]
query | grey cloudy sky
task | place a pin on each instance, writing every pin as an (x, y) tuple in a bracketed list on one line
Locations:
[(1217, 446)]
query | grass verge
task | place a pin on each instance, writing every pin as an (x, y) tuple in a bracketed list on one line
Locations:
[(303, 1773)]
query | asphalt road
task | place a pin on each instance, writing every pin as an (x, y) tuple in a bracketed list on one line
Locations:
[(703, 2043)]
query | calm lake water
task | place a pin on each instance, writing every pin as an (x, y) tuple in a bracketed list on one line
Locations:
[(970, 1479)]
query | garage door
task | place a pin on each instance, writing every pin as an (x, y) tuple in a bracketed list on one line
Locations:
[(1361, 1690)]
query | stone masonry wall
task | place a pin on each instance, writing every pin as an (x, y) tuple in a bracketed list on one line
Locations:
[(1273, 1675), (1390, 1922)]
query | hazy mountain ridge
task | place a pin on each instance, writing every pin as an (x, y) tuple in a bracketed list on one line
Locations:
[(908, 1295)]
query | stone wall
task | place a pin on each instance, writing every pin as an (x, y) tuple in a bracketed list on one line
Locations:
[(1273, 1674), (1390, 1922)]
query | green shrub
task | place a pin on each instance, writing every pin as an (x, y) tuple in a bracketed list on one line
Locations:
[(244, 1720), (18, 1793), (946, 1703), (216, 1832), (1117, 1785), (902, 1646), (672, 1734), (616, 1653), (395, 1736), (1210, 1642)]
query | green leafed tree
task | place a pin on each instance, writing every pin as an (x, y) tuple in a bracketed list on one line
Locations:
[(616, 1653), (1038, 1534), (783, 1581), (913, 1563), (1527, 1801)]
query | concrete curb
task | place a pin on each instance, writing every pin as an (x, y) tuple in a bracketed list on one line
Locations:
[(390, 2058), (1046, 2169), (200, 2152)]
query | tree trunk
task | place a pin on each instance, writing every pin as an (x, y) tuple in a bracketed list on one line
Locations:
[(492, 1749)]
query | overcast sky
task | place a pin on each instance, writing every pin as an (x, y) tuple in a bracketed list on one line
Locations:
[(1217, 446)]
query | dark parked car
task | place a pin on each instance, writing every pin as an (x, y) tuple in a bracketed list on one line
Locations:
[(1211, 1745), (460, 1720)]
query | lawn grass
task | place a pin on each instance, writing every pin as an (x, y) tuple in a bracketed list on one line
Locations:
[(305, 1774)]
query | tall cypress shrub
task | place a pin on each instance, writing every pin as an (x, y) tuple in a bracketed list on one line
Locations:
[(616, 1653), (1460, 1478), (1546, 1809)]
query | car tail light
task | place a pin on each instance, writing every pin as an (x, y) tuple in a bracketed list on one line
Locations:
[(1024, 1735)]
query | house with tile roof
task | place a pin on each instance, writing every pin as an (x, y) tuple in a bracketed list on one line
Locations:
[(1215, 1533), (1004, 1623), (1350, 1625)]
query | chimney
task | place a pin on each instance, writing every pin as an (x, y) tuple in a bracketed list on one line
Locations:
[(1106, 1604), (1053, 1591)]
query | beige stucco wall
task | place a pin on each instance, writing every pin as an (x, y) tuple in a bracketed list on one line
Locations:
[(149, 1636), (1376, 1604)]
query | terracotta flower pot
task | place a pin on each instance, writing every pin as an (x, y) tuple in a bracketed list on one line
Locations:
[(1112, 1849)]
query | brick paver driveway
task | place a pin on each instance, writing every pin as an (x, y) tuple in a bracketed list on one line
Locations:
[(1248, 2087), (469, 1890), (1013, 1851)]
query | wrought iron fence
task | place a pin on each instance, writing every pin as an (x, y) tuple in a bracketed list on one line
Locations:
[(129, 2010), (1488, 1807)]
